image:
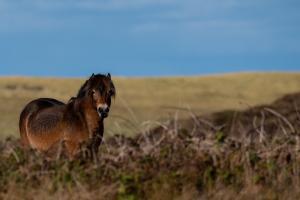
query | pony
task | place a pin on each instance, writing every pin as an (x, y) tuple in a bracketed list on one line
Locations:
[(46, 124)]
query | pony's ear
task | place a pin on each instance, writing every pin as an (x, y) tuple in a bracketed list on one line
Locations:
[(92, 76), (109, 76)]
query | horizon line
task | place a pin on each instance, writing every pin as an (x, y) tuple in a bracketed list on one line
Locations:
[(158, 76)]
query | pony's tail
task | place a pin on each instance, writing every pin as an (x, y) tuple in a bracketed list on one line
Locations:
[(23, 124)]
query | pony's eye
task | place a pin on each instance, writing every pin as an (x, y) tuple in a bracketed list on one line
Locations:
[(110, 92)]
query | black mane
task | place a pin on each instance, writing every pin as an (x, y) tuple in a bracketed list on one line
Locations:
[(84, 89)]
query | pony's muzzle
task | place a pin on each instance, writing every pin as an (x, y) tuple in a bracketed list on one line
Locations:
[(103, 111)]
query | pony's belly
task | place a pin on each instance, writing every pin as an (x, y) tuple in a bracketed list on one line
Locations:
[(77, 136), (44, 141)]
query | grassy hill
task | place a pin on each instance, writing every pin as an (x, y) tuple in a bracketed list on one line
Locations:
[(250, 154), (142, 102)]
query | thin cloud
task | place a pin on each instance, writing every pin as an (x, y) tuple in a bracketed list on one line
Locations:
[(188, 23), (121, 4), (85, 4)]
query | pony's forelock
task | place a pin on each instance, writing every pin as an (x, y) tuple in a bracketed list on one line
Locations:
[(86, 87)]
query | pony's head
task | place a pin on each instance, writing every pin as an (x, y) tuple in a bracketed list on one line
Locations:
[(100, 89)]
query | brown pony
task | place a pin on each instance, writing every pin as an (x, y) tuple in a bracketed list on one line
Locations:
[(45, 123)]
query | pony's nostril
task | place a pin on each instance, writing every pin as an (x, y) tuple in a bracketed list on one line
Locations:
[(103, 110)]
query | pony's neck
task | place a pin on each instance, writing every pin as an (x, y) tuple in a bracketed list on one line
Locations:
[(90, 114)]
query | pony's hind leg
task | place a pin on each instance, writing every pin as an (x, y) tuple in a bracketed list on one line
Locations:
[(72, 148), (57, 150)]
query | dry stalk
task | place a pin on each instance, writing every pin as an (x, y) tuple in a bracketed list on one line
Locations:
[(281, 117)]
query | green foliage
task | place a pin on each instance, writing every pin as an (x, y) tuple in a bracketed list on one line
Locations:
[(271, 166), (209, 176), (220, 137), (254, 158), (129, 188), (227, 177), (258, 179)]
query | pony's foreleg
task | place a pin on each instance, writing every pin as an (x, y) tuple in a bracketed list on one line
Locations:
[(95, 144)]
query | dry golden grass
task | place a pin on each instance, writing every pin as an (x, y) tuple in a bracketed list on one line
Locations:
[(150, 99), (250, 154)]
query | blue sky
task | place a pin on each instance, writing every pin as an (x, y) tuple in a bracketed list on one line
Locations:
[(148, 37)]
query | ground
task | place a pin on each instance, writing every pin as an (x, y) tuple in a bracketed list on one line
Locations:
[(235, 137), (251, 154)]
